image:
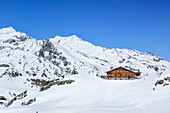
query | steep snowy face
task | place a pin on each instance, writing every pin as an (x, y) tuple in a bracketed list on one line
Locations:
[(19, 63), (67, 54), (53, 54), (106, 59)]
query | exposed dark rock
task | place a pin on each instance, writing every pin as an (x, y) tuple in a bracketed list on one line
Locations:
[(56, 82), (156, 68), (122, 61), (153, 67), (44, 75), (41, 53), (39, 82), (18, 39), (11, 72), (23, 38), (29, 102), (62, 58), (66, 63), (57, 73), (74, 71), (165, 84), (68, 70), (111, 68), (4, 65), (2, 98), (105, 61), (159, 82), (96, 68), (158, 59), (9, 41), (47, 45), (167, 78), (18, 97), (54, 56)]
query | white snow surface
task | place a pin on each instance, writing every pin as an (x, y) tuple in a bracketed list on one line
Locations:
[(58, 56)]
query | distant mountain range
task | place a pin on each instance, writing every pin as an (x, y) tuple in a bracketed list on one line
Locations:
[(26, 62)]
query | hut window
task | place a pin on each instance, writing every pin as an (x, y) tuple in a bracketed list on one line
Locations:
[(132, 75), (122, 70), (120, 75), (115, 70), (115, 75), (125, 75)]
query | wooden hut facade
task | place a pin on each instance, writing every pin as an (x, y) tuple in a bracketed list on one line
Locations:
[(123, 73)]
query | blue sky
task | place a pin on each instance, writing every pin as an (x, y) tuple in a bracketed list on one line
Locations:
[(133, 24)]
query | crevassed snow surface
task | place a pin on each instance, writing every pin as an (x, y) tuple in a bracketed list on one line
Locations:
[(27, 58)]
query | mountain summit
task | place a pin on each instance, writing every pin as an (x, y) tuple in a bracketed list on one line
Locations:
[(7, 30)]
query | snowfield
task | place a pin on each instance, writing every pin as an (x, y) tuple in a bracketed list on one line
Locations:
[(90, 94), (27, 65)]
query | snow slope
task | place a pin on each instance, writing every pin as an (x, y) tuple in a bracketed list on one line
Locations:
[(94, 95), (24, 60)]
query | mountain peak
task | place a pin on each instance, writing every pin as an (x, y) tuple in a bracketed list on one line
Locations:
[(67, 38), (7, 30), (9, 34), (72, 36)]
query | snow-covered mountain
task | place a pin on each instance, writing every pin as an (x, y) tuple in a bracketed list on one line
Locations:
[(27, 63)]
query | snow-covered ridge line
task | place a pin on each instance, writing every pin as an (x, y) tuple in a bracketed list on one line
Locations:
[(24, 59), (69, 39)]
